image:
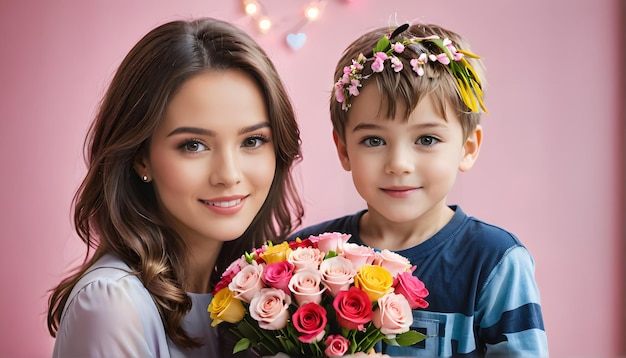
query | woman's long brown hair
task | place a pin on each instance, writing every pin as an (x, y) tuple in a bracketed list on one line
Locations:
[(115, 212)]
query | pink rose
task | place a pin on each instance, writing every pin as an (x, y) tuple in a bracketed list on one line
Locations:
[(229, 274), (330, 241), (393, 262), (412, 289), (305, 286), (353, 307), (336, 345), (303, 257), (310, 319), (247, 282), (393, 315), (337, 274), (269, 307), (359, 255), (278, 274)]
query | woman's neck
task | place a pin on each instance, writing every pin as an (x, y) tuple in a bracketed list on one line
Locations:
[(200, 266)]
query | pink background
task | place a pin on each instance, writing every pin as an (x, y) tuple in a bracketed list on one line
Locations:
[(549, 169)]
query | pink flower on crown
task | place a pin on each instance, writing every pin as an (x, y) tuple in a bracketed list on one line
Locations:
[(457, 56), (449, 45), (353, 89), (379, 62), (396, 64), (339, 95), (398, 47), (418, 64), (345, 78), (442, 57), (357, 65)]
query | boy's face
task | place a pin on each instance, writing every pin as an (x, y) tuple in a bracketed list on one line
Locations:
[(404, 169)]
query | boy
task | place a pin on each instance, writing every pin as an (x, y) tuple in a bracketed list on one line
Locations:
[(405, 112)]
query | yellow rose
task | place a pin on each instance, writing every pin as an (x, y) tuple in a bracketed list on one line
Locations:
[(276, 253), (225, 307), (375, 281)]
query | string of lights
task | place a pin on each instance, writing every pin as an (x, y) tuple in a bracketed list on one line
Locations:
[(295, 39)]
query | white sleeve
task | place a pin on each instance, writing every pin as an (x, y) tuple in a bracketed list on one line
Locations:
[(101, 320)]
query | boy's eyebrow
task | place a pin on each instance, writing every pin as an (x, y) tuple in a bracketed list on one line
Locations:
[(426, 125), (210, 133), (364, 126)]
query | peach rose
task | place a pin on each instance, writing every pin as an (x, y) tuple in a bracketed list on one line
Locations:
[(359, 255), (393, 262), (306, 286), (337, 274), (393, 315), (330, 241), (247, 282), (303, 257), (269, 307)]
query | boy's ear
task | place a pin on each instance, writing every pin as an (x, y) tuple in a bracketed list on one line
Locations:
[(342, 152), (471, 149)]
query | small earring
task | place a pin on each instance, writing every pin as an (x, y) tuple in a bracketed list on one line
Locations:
[(144, 178)]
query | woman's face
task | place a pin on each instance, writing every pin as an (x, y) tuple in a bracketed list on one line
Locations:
[(211, 159)]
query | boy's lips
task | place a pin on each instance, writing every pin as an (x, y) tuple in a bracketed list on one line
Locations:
[(399, 191)]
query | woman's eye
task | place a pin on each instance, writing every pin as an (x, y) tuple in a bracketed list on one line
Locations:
[(254, 142), (193, 146), (373, 142), (427, 141)]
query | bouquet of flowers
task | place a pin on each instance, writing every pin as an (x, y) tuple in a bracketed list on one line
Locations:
[(318, 297)]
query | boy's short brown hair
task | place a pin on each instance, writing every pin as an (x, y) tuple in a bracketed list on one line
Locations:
[(406, 88)]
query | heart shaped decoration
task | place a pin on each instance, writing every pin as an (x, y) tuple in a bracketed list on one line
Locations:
[(296, 41)]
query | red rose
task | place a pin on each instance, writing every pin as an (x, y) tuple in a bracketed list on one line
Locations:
[(303, 243), (310, 319), (353, 307)]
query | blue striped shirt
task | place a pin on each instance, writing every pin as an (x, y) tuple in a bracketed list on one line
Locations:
[(483, 298)]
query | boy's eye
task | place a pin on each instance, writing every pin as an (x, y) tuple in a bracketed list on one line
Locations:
[(193, 146), (427, 141), (373, 142)]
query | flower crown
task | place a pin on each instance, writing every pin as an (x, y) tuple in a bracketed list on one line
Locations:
[(468, 82)]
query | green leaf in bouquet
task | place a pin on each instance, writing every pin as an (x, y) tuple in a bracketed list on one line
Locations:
[(330, 254), (407, 338), (246, 329), (242, 345)]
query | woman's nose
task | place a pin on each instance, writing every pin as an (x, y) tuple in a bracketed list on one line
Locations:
[(226, 170)]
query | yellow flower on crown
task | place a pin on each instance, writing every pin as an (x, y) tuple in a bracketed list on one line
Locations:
[(374, 280), (225, 307), (276, 253)]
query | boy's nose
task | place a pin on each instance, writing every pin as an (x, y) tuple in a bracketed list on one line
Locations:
[(399, 161), (226, 170)]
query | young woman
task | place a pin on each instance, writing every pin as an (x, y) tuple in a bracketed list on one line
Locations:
[(189, 163)]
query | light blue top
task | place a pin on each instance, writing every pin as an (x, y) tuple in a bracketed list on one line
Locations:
[(109, 313)]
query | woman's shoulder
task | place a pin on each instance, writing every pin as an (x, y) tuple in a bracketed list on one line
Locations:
[(111, 309)]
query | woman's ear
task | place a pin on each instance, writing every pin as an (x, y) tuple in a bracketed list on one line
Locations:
[(342, 152), (471, 148), (142, 167)]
